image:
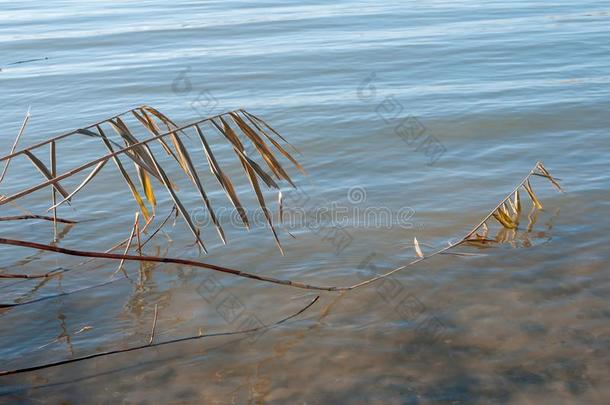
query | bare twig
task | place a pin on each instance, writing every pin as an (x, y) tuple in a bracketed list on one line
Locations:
[(160, 226), (134, 230), (8, 161), (34, 216), (53, 161)]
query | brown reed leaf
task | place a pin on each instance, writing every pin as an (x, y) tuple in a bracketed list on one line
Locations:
[(180, 207), (42, 168), (249, 168), (545, 173), (125, 175), (262, 149), (530, 191), (222, 178), (274, 143)]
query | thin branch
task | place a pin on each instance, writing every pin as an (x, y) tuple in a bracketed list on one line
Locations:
[(163, 343), (159, 227), (34, 216), (8, 161), (118, 245), (53, 161), (134, 230)]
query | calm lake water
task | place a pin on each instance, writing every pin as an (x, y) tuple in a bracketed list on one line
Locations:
[(490, 88)]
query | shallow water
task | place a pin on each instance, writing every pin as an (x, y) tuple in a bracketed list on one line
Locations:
[(494, 86)]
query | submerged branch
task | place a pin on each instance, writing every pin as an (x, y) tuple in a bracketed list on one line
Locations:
[(162, 343), (34, 216), (62, 294)]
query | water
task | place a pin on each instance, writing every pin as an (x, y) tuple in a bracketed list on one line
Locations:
[(497, 85)]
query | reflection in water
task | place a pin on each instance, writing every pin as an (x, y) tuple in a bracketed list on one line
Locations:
[(517, 238), (32, 258), (38, 254), (80, 267), (65, 335)]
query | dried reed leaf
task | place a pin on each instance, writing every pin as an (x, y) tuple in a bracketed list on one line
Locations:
[(238, 147), (182, 156), (132, 187), (503, 219), (140, 150), (530, 191), (152, 127), (148, 188), (262, 149), (42, 168), (222, 178), (138, 232), (513, 208), (485, 230), (546, 174), (163, 118), (130, 140), (179, 156), (250, 173), (137, 154), (89, 177), (275, 143), (180, 207), (190, 168), (260, 121), (504, 209), (507, 217)]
